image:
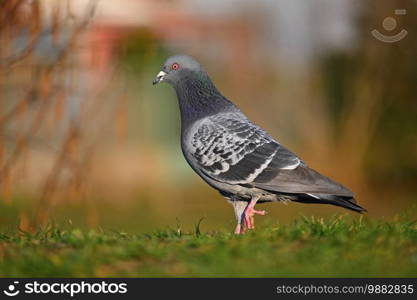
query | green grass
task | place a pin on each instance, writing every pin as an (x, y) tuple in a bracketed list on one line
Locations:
[(308, 247)]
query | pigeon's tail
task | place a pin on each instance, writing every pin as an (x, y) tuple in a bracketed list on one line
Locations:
[(342, 201)]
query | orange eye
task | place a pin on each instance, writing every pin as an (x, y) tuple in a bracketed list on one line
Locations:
[(175, 66)]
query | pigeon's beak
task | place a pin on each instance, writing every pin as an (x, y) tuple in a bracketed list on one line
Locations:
[(159, 77)]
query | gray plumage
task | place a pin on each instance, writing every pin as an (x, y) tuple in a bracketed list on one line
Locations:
[(235, 156)]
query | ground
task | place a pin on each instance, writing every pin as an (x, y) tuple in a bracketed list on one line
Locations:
[(337, 247)]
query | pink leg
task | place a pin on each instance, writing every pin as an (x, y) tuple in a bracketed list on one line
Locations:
[(248, 214)]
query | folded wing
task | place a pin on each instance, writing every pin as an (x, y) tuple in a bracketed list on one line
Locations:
[(230, 149)]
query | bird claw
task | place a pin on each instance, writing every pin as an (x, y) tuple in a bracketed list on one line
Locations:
[(248, 218), (260, 212)]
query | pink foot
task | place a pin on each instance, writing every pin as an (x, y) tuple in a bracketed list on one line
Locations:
[(248, 217)]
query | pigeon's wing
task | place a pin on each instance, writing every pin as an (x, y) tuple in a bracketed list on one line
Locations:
[(230, 149), (299, 180)]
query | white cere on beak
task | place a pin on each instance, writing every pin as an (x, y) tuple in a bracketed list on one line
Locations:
[(159, 77)]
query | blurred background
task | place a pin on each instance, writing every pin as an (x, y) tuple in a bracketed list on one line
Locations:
[(87, 141)]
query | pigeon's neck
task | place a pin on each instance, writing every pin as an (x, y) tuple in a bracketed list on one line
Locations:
[(198, 98)]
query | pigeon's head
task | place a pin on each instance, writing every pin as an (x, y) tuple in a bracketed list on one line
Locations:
[(178, 67)]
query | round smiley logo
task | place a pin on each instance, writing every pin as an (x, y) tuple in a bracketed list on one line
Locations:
[(389, 24), (11, 290)]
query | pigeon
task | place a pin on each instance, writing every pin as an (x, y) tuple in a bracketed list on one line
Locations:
[(235, 156)]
